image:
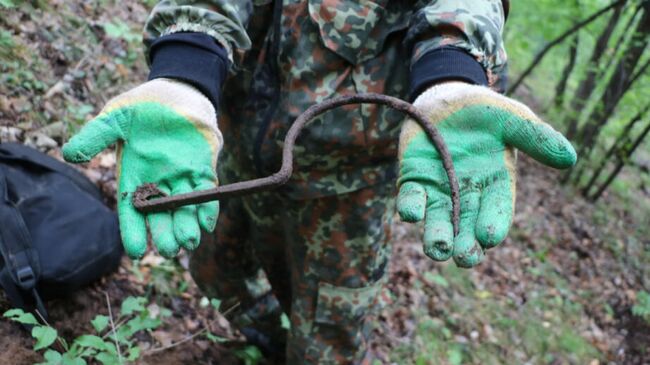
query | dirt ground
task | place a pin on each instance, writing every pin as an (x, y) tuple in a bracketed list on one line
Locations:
[(576, 249)]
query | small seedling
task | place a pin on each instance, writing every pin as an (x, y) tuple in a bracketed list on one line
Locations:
[(642, 306), (112, 343)]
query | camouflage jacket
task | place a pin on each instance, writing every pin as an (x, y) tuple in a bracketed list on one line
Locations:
[(288, 55)]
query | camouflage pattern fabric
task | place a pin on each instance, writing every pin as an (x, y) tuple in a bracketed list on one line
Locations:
[(289, 55), (322, 261), (318, 246)]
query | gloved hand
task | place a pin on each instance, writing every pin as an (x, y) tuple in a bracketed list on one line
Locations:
[(166, 133), (480, 128)]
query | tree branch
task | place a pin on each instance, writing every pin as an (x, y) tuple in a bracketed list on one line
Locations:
[(538, 58)]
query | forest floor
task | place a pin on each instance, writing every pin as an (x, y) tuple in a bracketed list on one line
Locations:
[(558, 291)]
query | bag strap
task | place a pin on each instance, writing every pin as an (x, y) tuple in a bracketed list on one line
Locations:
[(21, 262), (16, 152)]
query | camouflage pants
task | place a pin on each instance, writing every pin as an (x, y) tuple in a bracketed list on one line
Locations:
[(322, 261)]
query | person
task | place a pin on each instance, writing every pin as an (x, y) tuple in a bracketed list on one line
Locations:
[(318, 248)]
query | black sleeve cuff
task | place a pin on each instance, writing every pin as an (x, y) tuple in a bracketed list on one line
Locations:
[(444, 64), (195, 58)]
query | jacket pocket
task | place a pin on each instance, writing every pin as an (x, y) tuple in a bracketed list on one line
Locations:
[(355, 29), (341, 315), (345, 307)]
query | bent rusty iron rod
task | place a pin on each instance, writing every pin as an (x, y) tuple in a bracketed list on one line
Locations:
[(143, 193)]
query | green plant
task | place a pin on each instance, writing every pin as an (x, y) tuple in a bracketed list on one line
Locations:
[(642, 306), (167, 278), (120, 30), (7, 4), (79, 113), (250, 355), (6, 42), (114, 344)]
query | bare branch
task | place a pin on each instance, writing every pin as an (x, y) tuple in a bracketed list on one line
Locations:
[(538, 58), (110, 315)]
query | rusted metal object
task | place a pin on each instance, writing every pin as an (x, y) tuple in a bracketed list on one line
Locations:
[(142, 201)]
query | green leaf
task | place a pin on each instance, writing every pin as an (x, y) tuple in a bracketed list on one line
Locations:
[(91, 341), (100, 322), (119, 29), (45, 336), (18, 315), (70, 359), (26, 318), (7, 4), (75, 350), (455, 356), (216, 303), (642, 306), (251, 355), (436, 279), (110, 347), (132, 305), (107, 359), (165, 312), (51, 358), (286, 324), (133, 353), (214, 338), (86, 352), (139, 323), (124, 333), (143, 323), (13, 313)]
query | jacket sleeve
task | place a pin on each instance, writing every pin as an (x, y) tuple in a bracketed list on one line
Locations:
[(443, 33), (224, 21), (193, 41)]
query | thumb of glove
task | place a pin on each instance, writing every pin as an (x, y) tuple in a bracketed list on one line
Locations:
[(93, 138)]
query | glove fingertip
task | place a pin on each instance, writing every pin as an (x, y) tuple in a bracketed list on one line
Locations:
[(93, 138), (439, 251), (540, 141), (134, 244), (470, 258), (438, 240), (72, 153), (133, 229), (410, 213), (187, 237), (490, 235), (135, 252), (168, 252), (468, 252), (411, 202), (208, 216), (566, 155)]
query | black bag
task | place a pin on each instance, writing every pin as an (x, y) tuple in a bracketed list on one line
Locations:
[(56, 235)]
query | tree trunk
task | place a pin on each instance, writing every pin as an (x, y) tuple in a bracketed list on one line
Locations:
[(621, 163), (538, 58), (617, 146), (587, 85), (623, 78), (560, 89), (628, 28)]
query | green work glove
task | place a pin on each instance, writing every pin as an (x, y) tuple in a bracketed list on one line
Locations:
[(480, 128), (166, 133)]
